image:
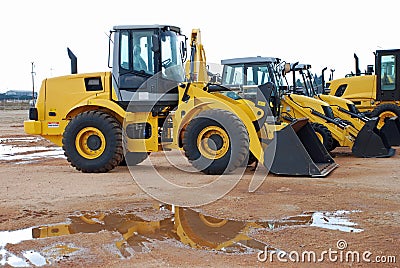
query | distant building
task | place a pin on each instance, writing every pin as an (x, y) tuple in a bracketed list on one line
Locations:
[(17, 95), (20, 93)]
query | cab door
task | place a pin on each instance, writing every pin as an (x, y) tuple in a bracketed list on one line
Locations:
[(388, 75)]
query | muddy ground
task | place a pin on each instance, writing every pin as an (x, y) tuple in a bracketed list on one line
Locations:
[(67, 218)]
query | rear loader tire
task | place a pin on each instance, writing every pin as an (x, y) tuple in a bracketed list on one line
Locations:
[(324, 135), (384, 111), (92, 142), (216, 142)]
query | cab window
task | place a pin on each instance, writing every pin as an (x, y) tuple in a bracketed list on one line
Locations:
[(233, 75), (388, 72), (142, 53), (124, 51), (171, 60), (257, 75)]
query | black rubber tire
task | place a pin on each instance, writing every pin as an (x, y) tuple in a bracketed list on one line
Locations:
[(238, 142), (335, 144), (386, 107), (109, 127), (327, 139), (134, 158), (249, 160)]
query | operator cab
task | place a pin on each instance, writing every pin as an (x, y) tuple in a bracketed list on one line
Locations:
[(148, 65), (387, 64), (255, 79), (307, 85)]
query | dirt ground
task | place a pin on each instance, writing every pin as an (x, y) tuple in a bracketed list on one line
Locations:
[(95, 220)]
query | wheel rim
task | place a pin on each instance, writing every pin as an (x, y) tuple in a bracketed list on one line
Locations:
[(213, 142), (383, 116), (90, 142), (319, 136), (212, 222)]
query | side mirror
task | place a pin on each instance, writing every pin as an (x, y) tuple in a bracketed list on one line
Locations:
[(286, 68), (155, 43)]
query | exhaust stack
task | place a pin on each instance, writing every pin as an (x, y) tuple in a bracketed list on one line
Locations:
[(358, 72), (74, 61)]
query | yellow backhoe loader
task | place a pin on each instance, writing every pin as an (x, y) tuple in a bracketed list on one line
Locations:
[(376, 95), (345, 109), (248, 75), (144, 105)]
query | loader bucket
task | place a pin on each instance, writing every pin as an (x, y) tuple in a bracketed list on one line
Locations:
[(299, 152), (371, 142), (391, 130)]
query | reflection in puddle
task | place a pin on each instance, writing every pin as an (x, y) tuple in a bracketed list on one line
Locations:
[(23, 150), (183, 224), (31, 258), (35, 258)]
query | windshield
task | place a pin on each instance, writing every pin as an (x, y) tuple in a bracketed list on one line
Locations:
[(171, 61), (258, 74), (388, 74), (232, 75), (243, 74)]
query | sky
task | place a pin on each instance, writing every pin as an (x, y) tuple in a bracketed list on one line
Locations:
[(320, 33)]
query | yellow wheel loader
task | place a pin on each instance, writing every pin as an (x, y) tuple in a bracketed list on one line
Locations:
[(345, 109), (247, 75), (144, 105), (376, 95)]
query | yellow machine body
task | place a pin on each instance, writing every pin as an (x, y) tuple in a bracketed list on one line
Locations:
[(376, 94), (298, 106), (361, 90)]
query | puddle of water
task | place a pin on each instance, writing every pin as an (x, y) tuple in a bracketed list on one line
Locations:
[(35, 258), (20, 139), (183, 225), (21, 149), (335, 221), (11, 259), (15, 237)]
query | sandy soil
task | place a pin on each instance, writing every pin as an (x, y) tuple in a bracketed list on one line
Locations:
[(109, 221)]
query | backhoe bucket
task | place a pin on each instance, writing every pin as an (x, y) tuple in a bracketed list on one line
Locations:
[(298, 152), (391, 130), (371, 142)]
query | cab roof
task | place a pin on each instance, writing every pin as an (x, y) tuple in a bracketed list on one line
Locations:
[(250, 60), (153, 26), (301, 66)]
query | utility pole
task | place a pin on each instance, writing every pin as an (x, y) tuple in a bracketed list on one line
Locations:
[(33, 83)]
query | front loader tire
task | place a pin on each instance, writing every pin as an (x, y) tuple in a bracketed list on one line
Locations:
[(324, 135), (92, 142), (216, 142), (385, 111)]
